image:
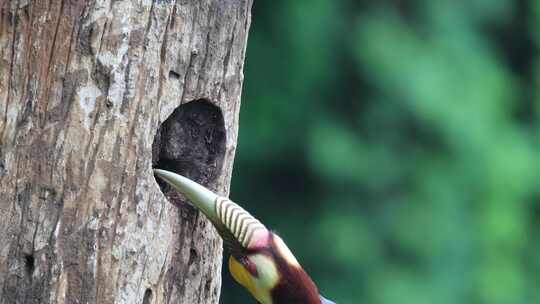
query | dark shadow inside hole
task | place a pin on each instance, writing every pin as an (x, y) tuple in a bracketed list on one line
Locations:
[(173, 75), (193, 257), (191, 142), (29, 264), (147, 299)]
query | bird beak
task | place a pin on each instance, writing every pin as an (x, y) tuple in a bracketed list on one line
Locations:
[(235, 225), (202, 198), (325, 300)]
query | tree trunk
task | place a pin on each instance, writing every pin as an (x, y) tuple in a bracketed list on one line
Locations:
[(84, 88)]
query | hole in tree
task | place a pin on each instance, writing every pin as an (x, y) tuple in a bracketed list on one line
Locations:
[(190, 142), (147, 299), (173, 74), (29, 263), (193, 256)]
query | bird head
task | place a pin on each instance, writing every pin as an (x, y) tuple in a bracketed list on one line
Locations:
[(260, 261)]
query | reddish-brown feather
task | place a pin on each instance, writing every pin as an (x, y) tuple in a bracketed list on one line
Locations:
[(295, 286)]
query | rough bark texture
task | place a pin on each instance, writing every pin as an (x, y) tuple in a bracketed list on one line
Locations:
[(84, 88)]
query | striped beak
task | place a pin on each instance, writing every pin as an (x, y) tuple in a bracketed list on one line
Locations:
[(238, 229)]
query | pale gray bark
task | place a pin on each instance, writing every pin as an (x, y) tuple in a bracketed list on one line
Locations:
[(84, 88)]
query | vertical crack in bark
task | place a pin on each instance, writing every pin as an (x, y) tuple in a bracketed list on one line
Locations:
[(205, 60), (11, 65), (193, 53), (163, 53), (208, 42), (25, 83), (227, 59), (149, 24), (105, 28), (48, 66)]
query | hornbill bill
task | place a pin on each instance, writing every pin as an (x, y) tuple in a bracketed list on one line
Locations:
[(260, 260)]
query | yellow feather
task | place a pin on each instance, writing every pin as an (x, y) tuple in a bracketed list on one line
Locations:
[(244, 278)]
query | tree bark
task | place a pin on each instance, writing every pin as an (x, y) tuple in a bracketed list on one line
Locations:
[(84, 88)]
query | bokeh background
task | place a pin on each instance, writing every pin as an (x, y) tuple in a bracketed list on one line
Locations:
[(395, 146)]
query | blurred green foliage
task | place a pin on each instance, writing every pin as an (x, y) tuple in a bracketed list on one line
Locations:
[(395, 146)]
